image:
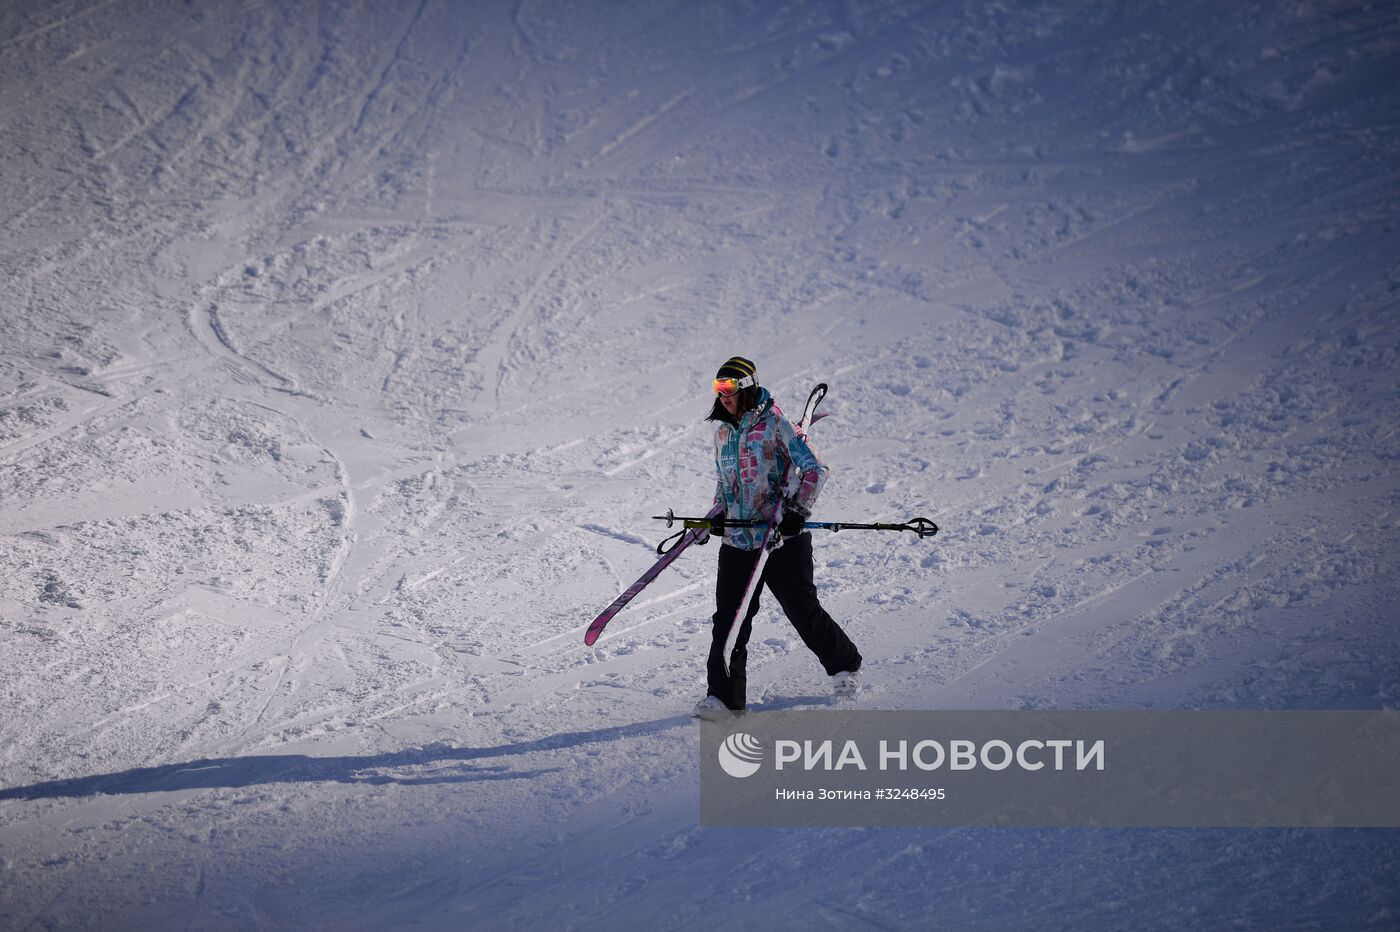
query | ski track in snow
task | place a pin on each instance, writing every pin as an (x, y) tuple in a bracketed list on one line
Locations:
[(348, 350)]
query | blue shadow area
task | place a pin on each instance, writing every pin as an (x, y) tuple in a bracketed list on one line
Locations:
[(433, 764)]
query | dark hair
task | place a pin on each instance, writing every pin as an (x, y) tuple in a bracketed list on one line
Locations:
[(748, 399)]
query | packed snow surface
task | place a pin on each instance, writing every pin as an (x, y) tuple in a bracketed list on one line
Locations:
[(346, 349)]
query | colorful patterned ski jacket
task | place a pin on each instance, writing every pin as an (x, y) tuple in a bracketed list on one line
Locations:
[(751, 460)]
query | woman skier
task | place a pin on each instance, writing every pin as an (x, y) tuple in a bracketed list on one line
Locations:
[(754, 445)]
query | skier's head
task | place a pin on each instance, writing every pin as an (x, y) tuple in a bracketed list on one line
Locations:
[(736, 389)]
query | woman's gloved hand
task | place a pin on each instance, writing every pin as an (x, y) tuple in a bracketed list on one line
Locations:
[(792, 521), (702, 536)]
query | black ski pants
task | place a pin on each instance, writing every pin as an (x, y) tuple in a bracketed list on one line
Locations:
[(788, 575)]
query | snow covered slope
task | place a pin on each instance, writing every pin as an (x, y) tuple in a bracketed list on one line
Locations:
[(346, 349)]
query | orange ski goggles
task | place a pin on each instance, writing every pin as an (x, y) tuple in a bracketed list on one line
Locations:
[(728, 387)]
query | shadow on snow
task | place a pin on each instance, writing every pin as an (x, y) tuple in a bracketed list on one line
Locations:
[(438, 763)]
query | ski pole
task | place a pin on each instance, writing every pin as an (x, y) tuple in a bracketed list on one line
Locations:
[(920, 527)]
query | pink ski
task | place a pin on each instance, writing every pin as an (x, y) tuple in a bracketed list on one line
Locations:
[(596, 628), (771, 539)]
